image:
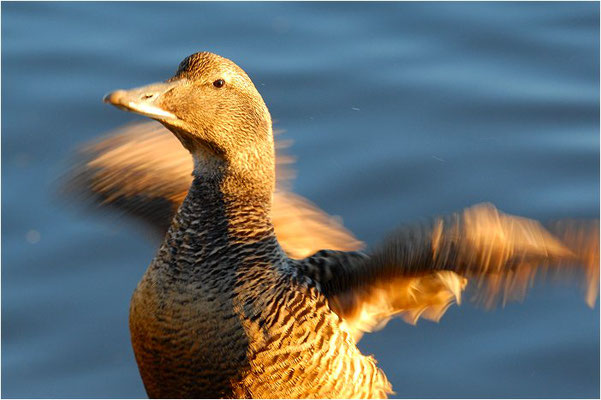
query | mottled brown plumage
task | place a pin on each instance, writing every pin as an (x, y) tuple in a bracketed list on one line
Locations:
[(222, 311)]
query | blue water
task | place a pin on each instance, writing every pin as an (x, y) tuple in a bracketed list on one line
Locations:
[(398, 111)]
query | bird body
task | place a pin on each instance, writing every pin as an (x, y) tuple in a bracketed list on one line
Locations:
[(249, 325), (224, 310)]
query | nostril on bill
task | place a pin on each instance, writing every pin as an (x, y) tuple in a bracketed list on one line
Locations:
[(147, 96)]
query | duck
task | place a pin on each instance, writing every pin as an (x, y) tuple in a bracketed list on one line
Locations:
[(229, 307)]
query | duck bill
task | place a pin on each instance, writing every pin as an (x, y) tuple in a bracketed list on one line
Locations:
[(144, 100)]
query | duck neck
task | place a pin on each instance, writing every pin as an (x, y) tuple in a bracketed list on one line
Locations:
[(242, 206), (243, 189), (222, 213)]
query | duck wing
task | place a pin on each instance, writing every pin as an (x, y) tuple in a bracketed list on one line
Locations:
[(420, 270), (143, 170)]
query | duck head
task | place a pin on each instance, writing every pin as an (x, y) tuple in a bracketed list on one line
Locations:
[(214, 109)]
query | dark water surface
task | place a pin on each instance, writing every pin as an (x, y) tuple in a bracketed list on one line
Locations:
[(397, 111)]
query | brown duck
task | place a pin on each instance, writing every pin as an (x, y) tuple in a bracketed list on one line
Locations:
[(224, 311)]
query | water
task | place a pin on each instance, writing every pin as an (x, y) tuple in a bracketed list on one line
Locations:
[(398, 112)]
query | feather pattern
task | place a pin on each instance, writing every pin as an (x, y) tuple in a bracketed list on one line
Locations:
[(272, 329)]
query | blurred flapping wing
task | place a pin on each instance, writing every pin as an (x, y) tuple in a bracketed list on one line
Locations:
[(421, 270), (143, 170)]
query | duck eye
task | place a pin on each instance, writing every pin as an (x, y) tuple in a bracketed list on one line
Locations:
[(219, 83)]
